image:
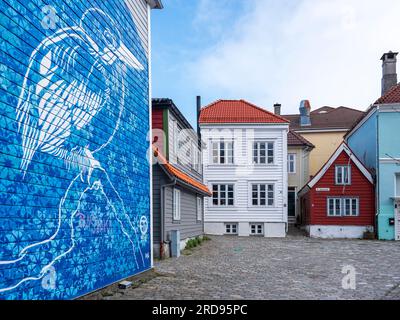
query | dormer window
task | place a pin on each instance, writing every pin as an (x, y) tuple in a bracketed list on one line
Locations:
[(343, 175)]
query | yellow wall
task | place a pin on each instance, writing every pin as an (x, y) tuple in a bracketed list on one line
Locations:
[(325, 144)]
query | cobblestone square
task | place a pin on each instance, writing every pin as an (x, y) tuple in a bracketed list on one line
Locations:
[(296, 267)]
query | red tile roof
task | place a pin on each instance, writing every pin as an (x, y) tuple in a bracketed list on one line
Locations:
[(392, 96), (294, 139), (237, 111), (175, 172)]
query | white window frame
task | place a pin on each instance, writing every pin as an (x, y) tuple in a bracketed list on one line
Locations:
[(259, 198), (199, 208), (176, 205), (226, 184), (229, 228), (256, 153), (257, 231), (340, 168), (229, 145), (291, 159), (343, 212)]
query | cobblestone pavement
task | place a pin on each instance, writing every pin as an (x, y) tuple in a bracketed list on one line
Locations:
[(292, 268)]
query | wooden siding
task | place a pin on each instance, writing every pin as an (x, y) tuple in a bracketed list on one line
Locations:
[(159, 179), (158, 133), (360, 188), (242, 173), (190, 141), (188, 225)]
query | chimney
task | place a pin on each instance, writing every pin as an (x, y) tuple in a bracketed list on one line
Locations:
[(198, 105), (389, 73), (305, 109), (277, 109)]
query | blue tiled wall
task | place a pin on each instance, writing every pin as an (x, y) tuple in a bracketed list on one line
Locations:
[(74, 177)]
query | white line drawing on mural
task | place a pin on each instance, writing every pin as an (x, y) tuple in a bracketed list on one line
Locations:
[(49, 110)]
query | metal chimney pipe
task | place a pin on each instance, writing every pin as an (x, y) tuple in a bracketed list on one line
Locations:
[(198, 105)]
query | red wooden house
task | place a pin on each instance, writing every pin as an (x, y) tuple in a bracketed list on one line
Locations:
[(339, 202)]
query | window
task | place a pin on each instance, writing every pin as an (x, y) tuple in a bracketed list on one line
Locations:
[(222, 195), (263, 152), (343, 175), (291, 163), (262, 195), (199, 209), (256, 229), (397, 185), (231, 228), (339, 207), (196, 158), (177, 204), (222, 152)]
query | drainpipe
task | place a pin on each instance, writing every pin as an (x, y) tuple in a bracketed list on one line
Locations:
[(162, 215), (377, 174)]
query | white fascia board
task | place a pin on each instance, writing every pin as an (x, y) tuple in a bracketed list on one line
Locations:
[(394, 107), (244, 125), (320, 130), (345, 148)]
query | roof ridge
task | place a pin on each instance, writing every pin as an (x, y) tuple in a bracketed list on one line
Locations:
[(264, 110)]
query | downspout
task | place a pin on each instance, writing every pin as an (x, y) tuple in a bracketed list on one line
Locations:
[(377, 173), (162, 216)]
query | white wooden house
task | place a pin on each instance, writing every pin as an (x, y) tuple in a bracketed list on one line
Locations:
[(245, 167)]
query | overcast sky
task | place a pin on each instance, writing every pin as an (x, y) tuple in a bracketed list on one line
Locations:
[(268, 51)]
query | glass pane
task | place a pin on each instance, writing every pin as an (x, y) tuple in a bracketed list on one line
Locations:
[(230, 187), (222, 187), (354, 207), (215, 187), (254, 187), (228, 228), (255, 201), (223, 201), (330, 207), (230, 202), (262, 187), (337, 207), (270, 202), (262, 202), (347, 206), (339, 179), (346, 175), (234, 228)]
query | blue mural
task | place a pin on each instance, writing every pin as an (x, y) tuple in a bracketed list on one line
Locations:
[(74, 177)]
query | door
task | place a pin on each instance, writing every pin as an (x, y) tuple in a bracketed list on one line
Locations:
[(292, 205), (397, 220)]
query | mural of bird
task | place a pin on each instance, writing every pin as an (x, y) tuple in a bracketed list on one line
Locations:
[(70, 79)]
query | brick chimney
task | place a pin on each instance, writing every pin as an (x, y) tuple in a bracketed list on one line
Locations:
[(389, 73), (305, 110), (277, 109)]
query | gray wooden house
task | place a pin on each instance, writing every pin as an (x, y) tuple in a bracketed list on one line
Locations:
[(178, 189)]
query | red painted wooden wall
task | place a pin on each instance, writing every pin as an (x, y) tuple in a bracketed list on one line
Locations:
[(360, 187), (157, 124)]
